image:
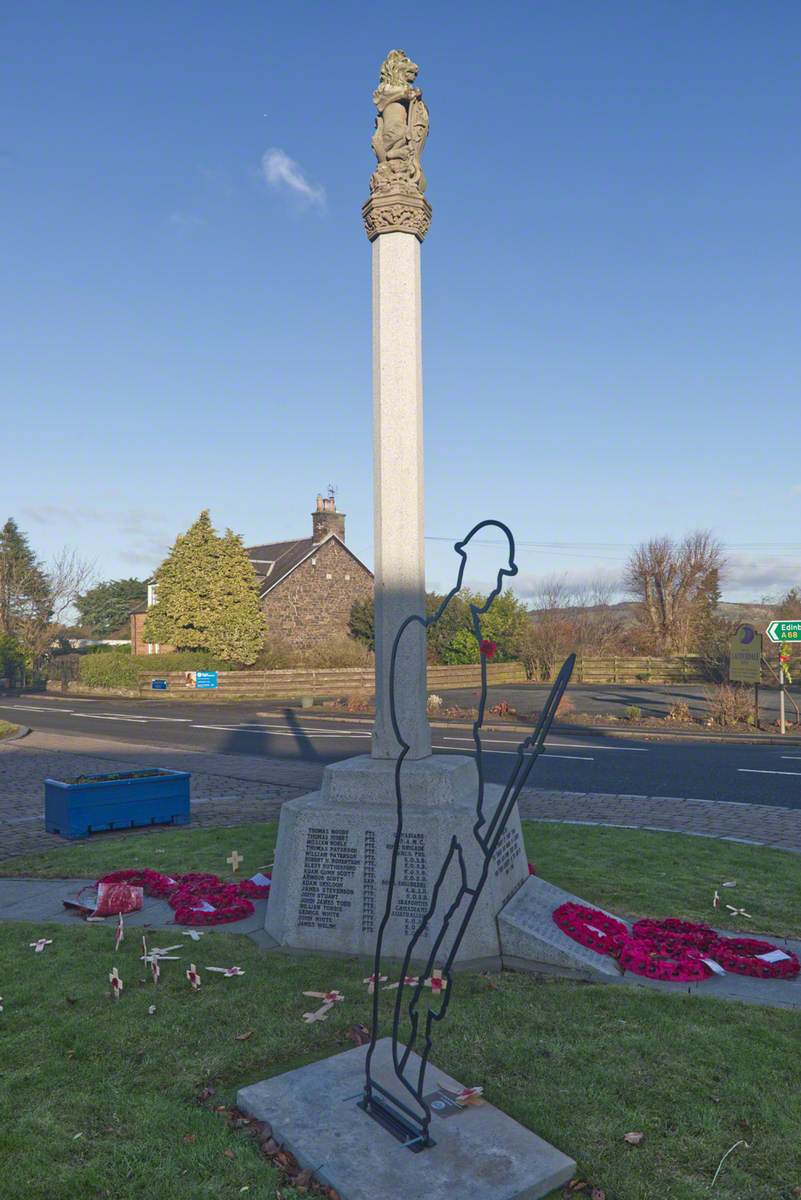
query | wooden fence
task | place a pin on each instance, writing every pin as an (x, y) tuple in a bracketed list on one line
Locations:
[(344, 681), (688, 668), (293, 683)]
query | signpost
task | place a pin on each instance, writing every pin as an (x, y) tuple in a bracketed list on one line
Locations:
[(745, 660), (205, 679), (783, 632)]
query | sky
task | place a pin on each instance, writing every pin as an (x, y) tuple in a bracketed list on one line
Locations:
[(611, 302)]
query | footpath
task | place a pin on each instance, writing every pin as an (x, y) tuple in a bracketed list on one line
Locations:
[(231, 789)]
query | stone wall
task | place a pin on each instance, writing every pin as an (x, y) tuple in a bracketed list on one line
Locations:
[(312, 605)]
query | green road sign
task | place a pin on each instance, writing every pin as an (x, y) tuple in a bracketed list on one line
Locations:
[(784, 631)]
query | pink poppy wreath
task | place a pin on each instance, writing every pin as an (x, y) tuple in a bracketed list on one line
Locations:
[(672, 949), (589, 926), (189, 894), (741, 956)]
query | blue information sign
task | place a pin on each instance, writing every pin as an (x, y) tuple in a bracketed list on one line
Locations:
[(158, 685), (206, 679)]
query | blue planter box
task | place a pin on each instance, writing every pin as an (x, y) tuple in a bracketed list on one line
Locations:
[(77, 809)]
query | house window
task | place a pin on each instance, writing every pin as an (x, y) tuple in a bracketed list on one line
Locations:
[(328, 575), (347, 578)]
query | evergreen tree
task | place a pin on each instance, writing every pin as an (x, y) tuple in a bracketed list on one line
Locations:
[(105, 607), (187, 590), (24, 590), (236, 631)]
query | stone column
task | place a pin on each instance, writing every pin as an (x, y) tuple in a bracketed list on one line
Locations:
[(396, 219), (398, 491)]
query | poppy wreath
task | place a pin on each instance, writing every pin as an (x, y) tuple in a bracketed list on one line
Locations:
[(673, 934), (226, 899), (589, 926), (186, 893), (677, 965), (741, 957), (153, 882)]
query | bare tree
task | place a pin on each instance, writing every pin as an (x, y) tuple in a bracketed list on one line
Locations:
[(671, 579), (547, 632), (599, 624), (66, 577)]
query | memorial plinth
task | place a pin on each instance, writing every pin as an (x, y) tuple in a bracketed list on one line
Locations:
[(333, 857), (480, 1153)]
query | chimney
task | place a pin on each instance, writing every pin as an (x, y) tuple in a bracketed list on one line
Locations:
[(326, 520)]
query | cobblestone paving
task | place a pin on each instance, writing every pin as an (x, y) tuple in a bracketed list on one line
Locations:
[(761, 824), (225, 789), (232, 789)]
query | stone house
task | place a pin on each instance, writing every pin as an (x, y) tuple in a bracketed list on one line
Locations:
[(307, 586)]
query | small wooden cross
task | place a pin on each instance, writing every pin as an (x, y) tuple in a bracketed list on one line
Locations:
[(116, 983), (193, 977), (436, 982), (119, 933), (39, 945), (372, 980), (235, 858), (155, 969), (408, 981)]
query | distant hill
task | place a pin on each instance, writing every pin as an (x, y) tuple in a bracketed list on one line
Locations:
[(626, 611)]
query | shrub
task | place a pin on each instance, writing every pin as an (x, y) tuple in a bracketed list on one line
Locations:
[(434, 703), (729, 705), (679, 712), (462, 648), (358, 702), (123, 670), (340, 652), (632, 712)]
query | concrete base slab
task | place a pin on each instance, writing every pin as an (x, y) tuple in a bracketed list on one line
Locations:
[(531, 938), (480, 1153), (332, 863)]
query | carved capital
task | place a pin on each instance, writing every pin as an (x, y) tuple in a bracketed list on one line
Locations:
[(397, 212)]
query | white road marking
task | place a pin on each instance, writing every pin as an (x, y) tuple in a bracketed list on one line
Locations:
[(754, 771), (186, 720), (284, 732), (488, 749), (27, 707), (109, 717), (556, 745)]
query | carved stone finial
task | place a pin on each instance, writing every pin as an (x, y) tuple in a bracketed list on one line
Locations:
[(397, 203)]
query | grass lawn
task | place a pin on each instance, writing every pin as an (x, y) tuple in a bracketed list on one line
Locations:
[(6, 729), (97, 1097), (630, 872)]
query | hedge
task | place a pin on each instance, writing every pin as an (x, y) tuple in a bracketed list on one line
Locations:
[(123, 670)]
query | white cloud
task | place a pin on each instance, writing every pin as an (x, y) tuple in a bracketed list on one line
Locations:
[(763, 576), (281, 171)]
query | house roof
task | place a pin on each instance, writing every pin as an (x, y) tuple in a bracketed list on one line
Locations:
[(274, 561)]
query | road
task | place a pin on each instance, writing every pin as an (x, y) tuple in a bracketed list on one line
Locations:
[(577, 762)]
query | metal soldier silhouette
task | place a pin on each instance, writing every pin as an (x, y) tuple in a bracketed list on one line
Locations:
[(409, 1118)]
